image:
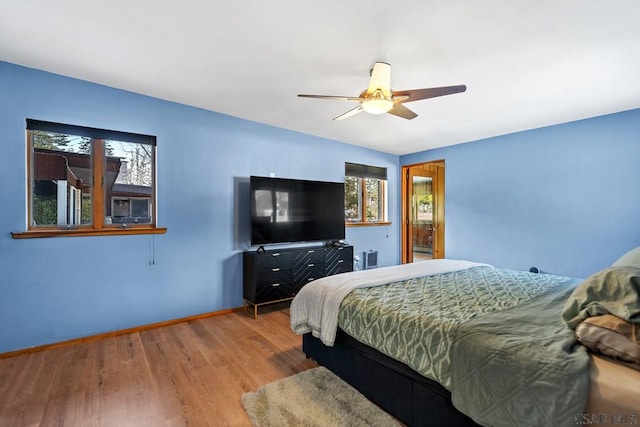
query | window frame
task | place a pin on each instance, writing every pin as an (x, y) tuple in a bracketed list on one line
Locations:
[(362, 173), (98, 157)]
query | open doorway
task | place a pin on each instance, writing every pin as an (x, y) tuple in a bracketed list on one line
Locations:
[(423, 211)]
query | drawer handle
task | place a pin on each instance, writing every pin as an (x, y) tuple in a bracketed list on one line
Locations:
[(340, 260), (276, 284), (310, 252), (275, 269), (310, 265), (276, 254)]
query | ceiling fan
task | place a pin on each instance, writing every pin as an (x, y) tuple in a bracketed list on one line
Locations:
[(379, 98)]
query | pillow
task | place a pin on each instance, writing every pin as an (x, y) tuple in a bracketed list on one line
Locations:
[(612, 337), (631, 258), (614, 290)]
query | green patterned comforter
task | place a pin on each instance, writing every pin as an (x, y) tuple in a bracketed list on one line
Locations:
[(521, 366), (413, 321)]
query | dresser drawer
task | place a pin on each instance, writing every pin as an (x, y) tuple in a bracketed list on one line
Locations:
[(335, 254), (273, 292), (274, 276), (271, 260), (307, 274), (339, 260), (309, 256)]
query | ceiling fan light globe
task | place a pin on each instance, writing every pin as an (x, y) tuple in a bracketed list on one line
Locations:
[(377, 106)]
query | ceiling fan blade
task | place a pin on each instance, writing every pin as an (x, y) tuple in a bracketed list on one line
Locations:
[(402, 111), (349, 113), (380, 78), (417, 94), (343, 98)]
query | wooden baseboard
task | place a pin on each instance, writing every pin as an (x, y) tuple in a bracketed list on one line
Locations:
[(116, 333)]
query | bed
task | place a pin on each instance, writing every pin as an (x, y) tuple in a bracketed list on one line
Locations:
[(447, 342)]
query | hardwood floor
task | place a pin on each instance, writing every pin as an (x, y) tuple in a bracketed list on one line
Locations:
[(189, 374)]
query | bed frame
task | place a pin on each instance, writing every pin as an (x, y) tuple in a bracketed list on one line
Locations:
[(392, 385)]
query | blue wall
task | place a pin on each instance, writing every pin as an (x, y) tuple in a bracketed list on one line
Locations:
[(564, 198), (62, 288)]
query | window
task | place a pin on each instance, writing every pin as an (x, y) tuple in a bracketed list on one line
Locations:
[(365, 194), (87, 181)]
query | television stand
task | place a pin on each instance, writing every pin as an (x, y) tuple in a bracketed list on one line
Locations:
[(277, 275)]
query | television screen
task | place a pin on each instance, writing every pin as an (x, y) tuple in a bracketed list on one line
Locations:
[(294, 210)]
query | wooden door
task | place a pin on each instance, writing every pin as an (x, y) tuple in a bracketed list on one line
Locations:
[(423, 211)]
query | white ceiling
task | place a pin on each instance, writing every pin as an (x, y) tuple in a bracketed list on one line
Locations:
[(526, 63)]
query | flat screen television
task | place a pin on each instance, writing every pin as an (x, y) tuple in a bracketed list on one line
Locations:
[(293, 210)]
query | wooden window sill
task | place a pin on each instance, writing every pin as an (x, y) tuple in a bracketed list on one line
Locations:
[(81, 232), (365, 224)]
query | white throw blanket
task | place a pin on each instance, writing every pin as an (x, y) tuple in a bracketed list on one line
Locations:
[(315, 307)]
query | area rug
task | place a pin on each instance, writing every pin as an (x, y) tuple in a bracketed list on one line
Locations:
[(316, 397)]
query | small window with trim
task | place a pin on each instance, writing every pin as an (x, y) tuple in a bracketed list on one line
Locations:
[(91, 181), (365, 195)]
